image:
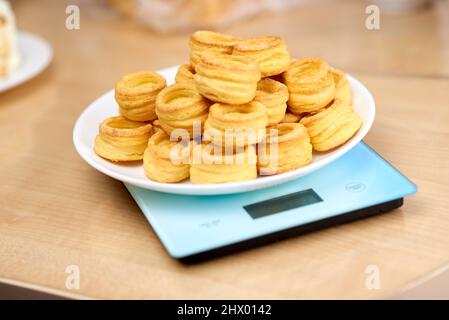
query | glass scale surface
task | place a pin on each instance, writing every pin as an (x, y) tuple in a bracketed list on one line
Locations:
[(192, 228)]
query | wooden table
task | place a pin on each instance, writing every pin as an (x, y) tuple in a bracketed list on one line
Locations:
[(57, 211)]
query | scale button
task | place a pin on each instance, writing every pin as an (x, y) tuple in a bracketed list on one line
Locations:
[(355, 187)]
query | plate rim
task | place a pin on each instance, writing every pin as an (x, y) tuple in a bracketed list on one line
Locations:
[(224, 188), (11, 81)]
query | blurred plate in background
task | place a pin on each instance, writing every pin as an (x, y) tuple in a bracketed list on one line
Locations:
[(35, 55)]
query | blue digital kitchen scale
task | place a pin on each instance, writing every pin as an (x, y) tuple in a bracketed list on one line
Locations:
[(192, 228)]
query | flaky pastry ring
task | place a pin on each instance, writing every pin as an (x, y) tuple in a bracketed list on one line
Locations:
[(185, 74), (270, 53), (273, 95), (209, 41), (226, 79), (343, 90), (291, 118), (179, 106), (120, 139), (136, 95), (158, 164), (222, 168), (287, 147), (333, 126), (310, 84), (236, 124)]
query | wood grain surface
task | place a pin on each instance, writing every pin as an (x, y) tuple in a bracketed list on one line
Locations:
[(57, 211)]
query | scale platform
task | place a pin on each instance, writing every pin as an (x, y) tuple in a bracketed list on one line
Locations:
[(194, 228)]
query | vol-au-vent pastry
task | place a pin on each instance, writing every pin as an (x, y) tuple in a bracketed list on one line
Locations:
[(9, 55), (236, 125), (158, 163), (287, 147), (180, 106), (223, 167), (343, 90), (226, 79), (209, 41), (121, 139), (273, 95), (185, 74), (333, 126), (310, 84), (291, 118), (136, 95), (157, 126), (270, 53)]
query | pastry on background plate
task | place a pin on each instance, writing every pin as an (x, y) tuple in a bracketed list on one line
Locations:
[(286, 147), (333, 126), (236, 125), (9, 54), (310, 84), (273, 95), (157, 162), (226, 79), (270, 53), (136, 95), (185, 74), (179, 106), (343, 90), (223, 167), (121, 139), (209, 41), (291, 118)]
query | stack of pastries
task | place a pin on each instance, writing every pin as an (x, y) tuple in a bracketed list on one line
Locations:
[(240, 108)]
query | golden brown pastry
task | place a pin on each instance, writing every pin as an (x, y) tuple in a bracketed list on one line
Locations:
[(273, 95), (270, 53), (310, 84), (222, 167), (157, 126), (343, 90), (287, 147), (9, 51), (121, 139), (236, 125), (157, 163), (179, 106), (226, 79), (291, 118), (136, 95), (209, 41), (185, 74), (333, 126)]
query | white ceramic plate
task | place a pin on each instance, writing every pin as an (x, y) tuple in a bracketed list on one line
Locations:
[(35, 55), (86, 128)]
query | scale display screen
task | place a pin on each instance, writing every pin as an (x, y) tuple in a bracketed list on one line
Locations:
[(283, 203)]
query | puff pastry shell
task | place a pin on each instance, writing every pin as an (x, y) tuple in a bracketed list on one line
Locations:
[(333, 126), (136, 95), (121, 139), (310, 84)]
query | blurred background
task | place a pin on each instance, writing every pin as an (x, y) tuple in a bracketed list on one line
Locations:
[(116, 37), (52, 197), (412, 39)]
